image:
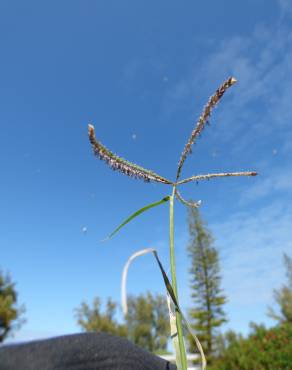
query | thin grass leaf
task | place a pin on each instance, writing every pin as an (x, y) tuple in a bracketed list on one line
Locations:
[(212, 175), (203, 119), (170, 296), (121, 164), (172, 316), (177, 307), (181, 343), (137, 213)]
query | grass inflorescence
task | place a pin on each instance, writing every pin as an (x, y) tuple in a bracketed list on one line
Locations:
[(121, 164), (136, 171)]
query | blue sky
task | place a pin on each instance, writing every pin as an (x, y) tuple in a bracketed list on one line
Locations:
[(141, 73)]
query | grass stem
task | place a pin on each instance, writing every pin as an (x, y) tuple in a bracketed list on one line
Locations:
[(182, 349)]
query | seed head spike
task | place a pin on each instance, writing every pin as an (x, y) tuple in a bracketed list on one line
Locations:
[(120, 164), (203, 119), (214, 175)]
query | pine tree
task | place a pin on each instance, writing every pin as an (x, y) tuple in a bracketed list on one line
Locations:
[(207, 313), (283, 296), (10, 313)]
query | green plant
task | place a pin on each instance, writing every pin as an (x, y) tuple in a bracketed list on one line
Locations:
[(136, 171), (90, 318), (263, 349), (283, 296), (147, 321), (10, 314), (207, 313)]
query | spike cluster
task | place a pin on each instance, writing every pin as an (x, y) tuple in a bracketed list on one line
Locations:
[(133, 170), (120, 164), (203, 120)]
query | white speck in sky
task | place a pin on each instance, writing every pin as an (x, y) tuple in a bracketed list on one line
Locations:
[(275, 151), (134, 136), (84, 229)]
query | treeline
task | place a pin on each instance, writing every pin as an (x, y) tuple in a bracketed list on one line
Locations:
[(263, 349), (147, 321), (269, 349)]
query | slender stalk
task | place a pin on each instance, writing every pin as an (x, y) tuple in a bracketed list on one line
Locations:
[(182, 349)]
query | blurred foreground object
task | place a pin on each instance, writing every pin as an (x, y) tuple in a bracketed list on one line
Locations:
[(90, 351)]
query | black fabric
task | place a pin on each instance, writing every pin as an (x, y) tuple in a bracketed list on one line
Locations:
[(88, 351)]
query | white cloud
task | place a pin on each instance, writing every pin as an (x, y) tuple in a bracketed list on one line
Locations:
[(251, 248), (260, 104), (257, 115), (272, 183), (286, 7)]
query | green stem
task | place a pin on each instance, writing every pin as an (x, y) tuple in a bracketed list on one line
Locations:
[(182, 349)]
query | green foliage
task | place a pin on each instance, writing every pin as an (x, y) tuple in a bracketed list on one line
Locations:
[(148, 323), (207, 314), (93, 320), (264, 349), (283, 296), (147, 320), (10, 313)]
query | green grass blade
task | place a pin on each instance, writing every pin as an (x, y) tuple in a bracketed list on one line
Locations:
[(172, 314), (178, 309), (182, 347), (137, 213)]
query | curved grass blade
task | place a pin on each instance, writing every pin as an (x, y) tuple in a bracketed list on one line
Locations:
[(178, 309), (172, 315), (120, 164), (140, 253), (185, 202), (137, 213), (173, 299)]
